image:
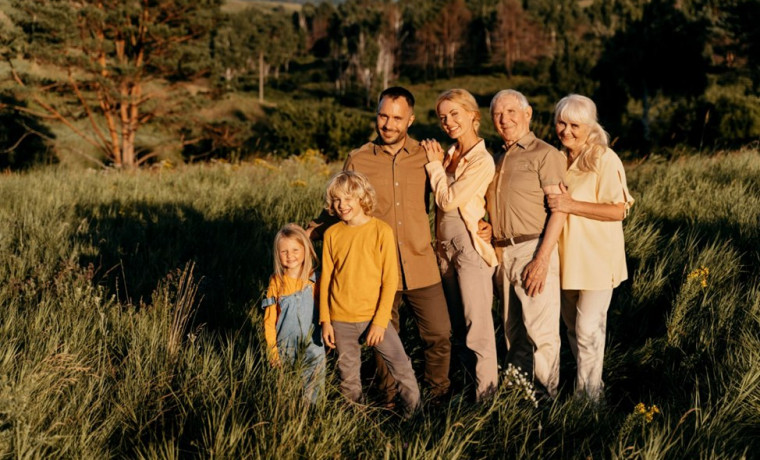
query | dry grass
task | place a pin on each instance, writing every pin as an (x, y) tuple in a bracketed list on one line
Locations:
[(129, 326)]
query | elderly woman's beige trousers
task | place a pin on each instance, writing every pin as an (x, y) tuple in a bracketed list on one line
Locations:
[(585, 315)]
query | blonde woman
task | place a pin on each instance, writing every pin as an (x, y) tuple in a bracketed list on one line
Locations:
[(591, 246), (459, 179)]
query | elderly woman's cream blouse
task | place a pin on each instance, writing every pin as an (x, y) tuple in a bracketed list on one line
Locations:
[(592, 252)]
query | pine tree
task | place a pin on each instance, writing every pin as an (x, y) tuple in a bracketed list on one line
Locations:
[(122, 62), (661, 53)]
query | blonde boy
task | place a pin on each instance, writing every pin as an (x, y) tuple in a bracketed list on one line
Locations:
[(358, 286)]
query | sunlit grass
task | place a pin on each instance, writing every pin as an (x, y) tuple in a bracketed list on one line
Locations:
[(130, 328)]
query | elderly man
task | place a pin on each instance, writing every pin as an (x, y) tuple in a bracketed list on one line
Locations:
[(525, 237), (394, 163)]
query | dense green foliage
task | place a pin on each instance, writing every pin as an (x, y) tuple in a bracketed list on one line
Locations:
[(130, 328), (663, 72), (146, 80), (294, 128)]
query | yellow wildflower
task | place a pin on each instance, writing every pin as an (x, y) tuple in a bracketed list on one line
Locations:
[(311, 153), (700, 273), (264, 163), (646, 413)]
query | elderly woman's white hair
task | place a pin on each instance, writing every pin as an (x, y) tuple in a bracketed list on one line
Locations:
[(575, 108)]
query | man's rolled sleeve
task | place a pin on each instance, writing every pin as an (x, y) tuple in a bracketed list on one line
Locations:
[(553, 167)]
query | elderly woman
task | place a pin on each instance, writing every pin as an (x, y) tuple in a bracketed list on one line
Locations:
[(591, 246), (459, 180)]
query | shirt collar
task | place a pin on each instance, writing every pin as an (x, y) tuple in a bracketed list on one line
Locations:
[(466, 157), (523, 142), (409, 146)]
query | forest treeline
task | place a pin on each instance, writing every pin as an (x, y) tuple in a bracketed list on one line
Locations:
[(663, 72)]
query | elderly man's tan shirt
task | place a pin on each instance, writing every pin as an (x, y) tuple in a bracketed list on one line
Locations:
[(515, 198), (402, 190)]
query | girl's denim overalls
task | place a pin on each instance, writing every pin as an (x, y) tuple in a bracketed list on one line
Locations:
[(299, 336)]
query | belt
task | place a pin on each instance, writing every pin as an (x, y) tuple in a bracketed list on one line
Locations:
[(504, 242)]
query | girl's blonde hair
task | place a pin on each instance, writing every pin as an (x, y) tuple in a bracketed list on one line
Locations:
[(463, 98), (351, 183), (295, 232), (575, 108)]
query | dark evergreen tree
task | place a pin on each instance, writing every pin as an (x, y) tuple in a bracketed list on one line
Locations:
[(743, 22), (24, 141), (114, 54), (259, 41), (662, 53)]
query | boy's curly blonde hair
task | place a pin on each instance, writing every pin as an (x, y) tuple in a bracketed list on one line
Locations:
[(351, 183)]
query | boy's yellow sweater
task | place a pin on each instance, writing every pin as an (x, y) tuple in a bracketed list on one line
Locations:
[(359, 273)]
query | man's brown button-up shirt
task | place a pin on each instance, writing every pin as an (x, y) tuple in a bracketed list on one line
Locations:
[(403, 191)]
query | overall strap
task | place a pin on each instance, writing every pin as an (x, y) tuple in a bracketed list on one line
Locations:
[(268, 302)]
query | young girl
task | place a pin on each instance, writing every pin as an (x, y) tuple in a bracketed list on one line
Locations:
[(291, 315)]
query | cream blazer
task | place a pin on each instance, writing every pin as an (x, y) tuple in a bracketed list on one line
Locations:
[(467, 193)]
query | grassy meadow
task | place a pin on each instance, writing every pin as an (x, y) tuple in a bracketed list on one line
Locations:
[(130, 327)]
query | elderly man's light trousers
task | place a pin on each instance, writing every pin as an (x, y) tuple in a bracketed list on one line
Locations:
[(531, 324)]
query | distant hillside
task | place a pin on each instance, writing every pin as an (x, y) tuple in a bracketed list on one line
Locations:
[(231, 6), (235, 5)]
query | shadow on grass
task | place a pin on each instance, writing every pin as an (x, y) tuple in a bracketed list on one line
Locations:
[(134, 246), (640, 364)]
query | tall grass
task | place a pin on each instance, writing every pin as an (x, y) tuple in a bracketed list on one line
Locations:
[(129, 326)]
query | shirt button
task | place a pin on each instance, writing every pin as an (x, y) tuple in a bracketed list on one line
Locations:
[(396, 184), (398, 204), (399, 222)]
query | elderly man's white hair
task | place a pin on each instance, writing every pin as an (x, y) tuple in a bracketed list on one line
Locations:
[(510, 92)]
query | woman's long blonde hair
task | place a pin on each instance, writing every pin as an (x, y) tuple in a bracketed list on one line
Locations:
[(575, 108), (295, 232)]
